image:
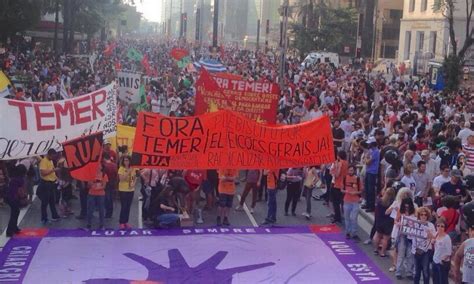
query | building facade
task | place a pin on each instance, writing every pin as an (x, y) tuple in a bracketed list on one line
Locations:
[(424, 33)]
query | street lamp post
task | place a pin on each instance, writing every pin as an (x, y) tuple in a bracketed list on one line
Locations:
[(215, 25), (283, 42)]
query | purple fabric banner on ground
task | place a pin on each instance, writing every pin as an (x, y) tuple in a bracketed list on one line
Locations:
[(190, 255)]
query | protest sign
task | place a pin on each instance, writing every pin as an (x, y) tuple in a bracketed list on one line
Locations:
[(256, 100), (32, 128), (227, 139), (125, 136), (129, 86), (83, 156), (412, 227), (4, 83)]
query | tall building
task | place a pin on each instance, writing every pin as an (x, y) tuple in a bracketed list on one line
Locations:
[(424, 33), (387, 28)]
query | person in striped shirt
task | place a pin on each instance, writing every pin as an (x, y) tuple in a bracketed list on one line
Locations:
[(469, 152)]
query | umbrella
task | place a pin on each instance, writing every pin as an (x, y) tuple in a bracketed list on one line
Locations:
[(211, 65)]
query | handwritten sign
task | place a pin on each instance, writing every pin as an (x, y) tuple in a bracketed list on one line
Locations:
[(226, 139), (83, 156), (413, 227), (129, 86), (256, 100), (32, 128)]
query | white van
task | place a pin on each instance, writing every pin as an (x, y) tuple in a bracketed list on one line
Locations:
[(321, 57)]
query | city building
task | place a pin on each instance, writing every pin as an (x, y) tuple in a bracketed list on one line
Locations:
[(387, 24), (424, 33)]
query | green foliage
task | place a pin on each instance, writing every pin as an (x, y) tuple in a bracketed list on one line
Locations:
[(452, 71), (325, 28), (18, 15)]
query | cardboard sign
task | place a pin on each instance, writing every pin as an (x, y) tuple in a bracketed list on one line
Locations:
[(413, 227), (125, 136), (228, 140), (83, 156), (256, 100), (32, 128), (129, 86)]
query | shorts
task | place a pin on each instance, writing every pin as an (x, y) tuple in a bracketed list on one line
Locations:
[(226, 200), (207, 187)]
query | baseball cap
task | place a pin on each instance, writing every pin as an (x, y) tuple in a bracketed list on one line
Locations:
[(456, 173), (371, 140)]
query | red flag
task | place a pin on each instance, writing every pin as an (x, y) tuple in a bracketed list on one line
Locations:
[(118, 66), (146, 65), (83, 156), (178, 53), (109, 49)]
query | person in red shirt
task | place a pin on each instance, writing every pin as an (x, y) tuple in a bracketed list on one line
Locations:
[(108, 149), (96, 197), (194, 179), (451, 215)]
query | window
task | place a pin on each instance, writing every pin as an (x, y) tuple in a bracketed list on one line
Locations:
[(395, 14), (406, 54), (412, 5), (424, 5), (420, 39), (433, 38)]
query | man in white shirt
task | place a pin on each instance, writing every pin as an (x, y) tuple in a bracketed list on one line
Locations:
[(432, 166), (442, 178), (465, 132), (174, 102)]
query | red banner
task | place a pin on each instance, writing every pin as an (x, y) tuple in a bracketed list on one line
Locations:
[(178, 53), (83, 156), (228, 140), (256, 100)]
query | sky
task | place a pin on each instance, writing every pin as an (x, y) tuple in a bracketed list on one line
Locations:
[(150, 9)]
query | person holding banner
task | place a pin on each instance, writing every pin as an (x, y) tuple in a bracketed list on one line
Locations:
[(422, 247), (96, 197), (227, 178), (47, 187), (404, 244), (127, 180)]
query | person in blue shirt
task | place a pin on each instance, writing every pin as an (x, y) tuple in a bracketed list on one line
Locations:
[(372, 162)]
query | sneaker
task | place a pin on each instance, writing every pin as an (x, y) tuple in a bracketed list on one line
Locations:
[(251, 210), (305, 214), (199, 220), (391, 269), (218, 222), (330, 215), (226, 222), (239, 208), (367, 242), (55, 219), (122, 227)]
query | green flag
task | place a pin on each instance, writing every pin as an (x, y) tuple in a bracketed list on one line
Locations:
[(143, 106), (184, 62), (134, 54)]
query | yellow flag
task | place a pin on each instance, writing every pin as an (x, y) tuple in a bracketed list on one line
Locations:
[(4, 82)]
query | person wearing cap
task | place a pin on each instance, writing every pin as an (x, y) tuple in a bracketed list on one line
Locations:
[(108, 149), (455, 187), (47, 187), (465, 252)]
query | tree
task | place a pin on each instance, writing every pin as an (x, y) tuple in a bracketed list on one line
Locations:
[(454, 61), (324, 28), (18, 15)]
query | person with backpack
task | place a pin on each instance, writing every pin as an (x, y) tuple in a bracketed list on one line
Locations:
[(352, 190)]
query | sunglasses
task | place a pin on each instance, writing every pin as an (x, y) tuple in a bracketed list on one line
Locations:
[(440, 226)]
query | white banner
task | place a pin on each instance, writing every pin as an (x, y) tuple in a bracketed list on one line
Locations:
[(129, 86), (32, 128)]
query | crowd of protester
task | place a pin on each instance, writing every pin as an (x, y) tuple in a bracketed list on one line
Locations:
[(402, 150)]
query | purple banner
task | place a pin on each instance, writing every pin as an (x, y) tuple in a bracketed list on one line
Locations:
[(356, 262), (15, 259)]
